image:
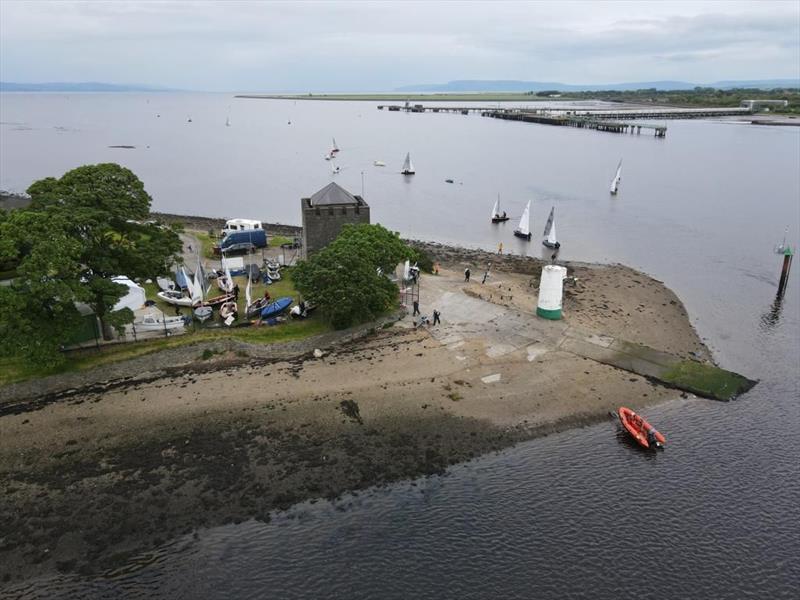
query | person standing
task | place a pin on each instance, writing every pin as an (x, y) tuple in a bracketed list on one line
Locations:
[(466, 275), (436, 315), (416, 308), (500, 248)]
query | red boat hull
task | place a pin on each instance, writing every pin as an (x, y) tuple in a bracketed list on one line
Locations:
[(638, 427)]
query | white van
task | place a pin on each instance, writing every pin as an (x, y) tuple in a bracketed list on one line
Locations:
[(232, 225)]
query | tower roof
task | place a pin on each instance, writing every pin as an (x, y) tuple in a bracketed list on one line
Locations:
[(333, 193)]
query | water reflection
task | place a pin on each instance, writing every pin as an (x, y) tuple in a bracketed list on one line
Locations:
[(771, 318)]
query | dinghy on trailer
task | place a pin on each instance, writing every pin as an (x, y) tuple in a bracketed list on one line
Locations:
[(275, 308), (203, 313), (175, 298), (228, 312), (154, 322), (164, 284)]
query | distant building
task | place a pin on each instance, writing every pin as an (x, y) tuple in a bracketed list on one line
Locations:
[(326, 212), (755, 105)]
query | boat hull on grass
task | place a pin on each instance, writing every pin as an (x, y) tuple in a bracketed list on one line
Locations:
[(275, 308), (175, 298), (217, 300), (151, 322), (645, 434), (254, 309)]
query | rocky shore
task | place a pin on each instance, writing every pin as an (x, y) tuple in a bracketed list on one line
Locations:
[(103, 471)]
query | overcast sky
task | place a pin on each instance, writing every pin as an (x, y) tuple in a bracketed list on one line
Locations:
[(344, 46)]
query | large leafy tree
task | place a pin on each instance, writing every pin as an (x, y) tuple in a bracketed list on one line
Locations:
[(343, 279), (79, 231)]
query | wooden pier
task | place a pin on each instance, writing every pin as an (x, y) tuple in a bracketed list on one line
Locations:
[(616, 121), (581, 122)]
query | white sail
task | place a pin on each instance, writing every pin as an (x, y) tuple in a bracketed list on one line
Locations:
[(551, 236), (496, 207), (230, 279), (247, 299), (188, 280), (549, 225), (408, 167), (525, 221), (335, 148), (228, 122), (200, 276), (406, 270), (197, 290), (617, 177)]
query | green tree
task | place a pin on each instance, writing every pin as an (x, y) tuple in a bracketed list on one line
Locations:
[(79, 232), (343, 279)]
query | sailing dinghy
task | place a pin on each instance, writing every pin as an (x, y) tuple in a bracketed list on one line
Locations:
[(524, 229), (496, 216), (335, 148), (408, 167), (617, 177), (550, 239)]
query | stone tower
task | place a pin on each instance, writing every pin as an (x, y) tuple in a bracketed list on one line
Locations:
[(324, 214)]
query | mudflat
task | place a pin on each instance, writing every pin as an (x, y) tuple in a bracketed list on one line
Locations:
[(94, 478)]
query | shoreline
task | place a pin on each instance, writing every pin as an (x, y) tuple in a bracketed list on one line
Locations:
[(142, 451), (140, 462)]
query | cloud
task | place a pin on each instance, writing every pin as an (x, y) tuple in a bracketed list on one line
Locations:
[(373, 45)]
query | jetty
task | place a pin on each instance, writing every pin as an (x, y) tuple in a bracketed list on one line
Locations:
[(613, 121), (580, 121)]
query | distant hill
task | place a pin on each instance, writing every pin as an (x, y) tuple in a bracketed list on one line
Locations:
[(88, 86), (503, 85)]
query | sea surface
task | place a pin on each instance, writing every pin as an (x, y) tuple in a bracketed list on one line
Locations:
[(579, 514)]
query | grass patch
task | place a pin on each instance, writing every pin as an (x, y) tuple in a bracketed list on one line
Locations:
[(207, 243), (276, 241), (15, 370), (707, 380)]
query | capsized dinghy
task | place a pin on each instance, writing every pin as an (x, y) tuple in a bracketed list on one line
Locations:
[(641, 430)]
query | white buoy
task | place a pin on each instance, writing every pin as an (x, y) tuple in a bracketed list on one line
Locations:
[(551, 288)]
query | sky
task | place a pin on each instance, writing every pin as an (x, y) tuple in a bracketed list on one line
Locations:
[(374, 46)]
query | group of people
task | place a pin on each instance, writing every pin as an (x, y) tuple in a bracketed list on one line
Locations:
[(467, 274), (423, 319)]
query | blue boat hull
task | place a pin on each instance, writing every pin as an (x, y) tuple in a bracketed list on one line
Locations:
[(276, 308)]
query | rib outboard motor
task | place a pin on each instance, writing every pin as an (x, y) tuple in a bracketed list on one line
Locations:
[(652, 440)]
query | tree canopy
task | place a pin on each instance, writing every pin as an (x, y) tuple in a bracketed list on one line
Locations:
[(343, 279), (79, 231)]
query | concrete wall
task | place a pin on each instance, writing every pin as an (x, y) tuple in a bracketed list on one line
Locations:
[(322, 224)]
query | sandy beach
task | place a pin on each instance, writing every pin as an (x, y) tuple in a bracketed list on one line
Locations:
[(96, 478)]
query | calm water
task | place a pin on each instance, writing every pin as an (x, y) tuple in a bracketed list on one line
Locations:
[(714, 516)]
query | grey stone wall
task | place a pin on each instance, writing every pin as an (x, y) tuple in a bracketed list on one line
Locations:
[(321, 224)]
